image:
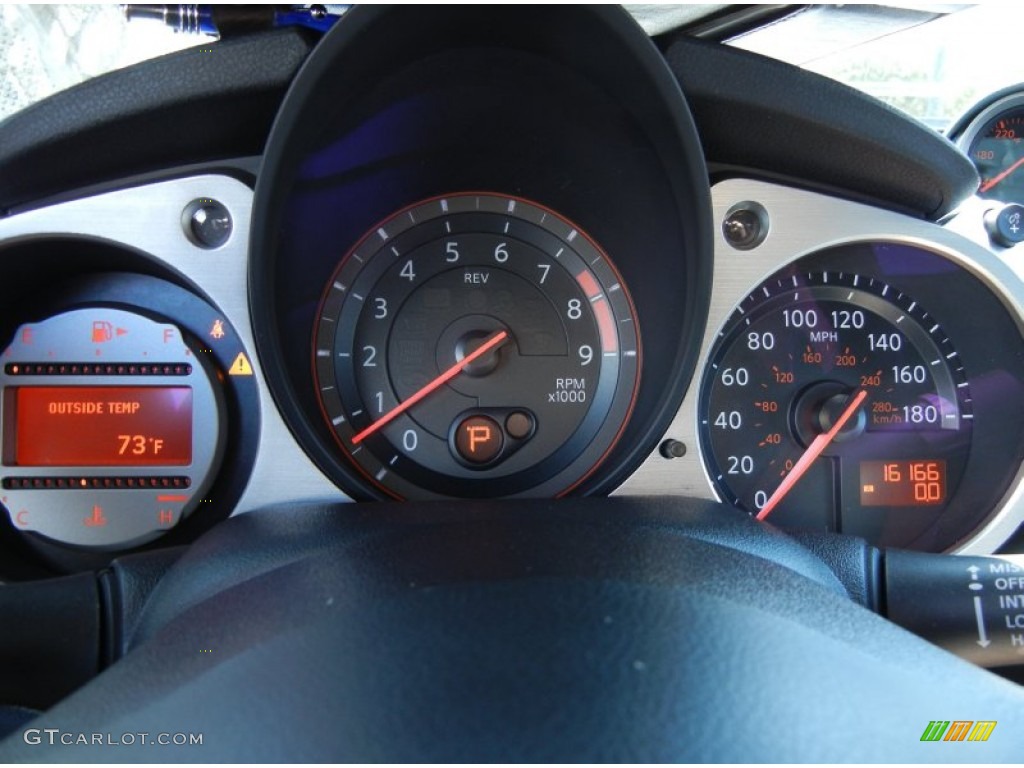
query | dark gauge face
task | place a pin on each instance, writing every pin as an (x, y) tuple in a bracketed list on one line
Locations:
[(998, 153), (476, 345), (833, 401)]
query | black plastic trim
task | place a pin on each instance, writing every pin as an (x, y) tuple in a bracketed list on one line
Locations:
[(56, 645), (766, 118), (205, 103), (964, 121), (755, 114)]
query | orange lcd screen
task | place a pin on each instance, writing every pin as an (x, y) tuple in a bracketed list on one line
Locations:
[(101, 426), (903, 483)]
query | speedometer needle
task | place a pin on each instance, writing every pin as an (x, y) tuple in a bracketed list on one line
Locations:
[(818, 444), (492, 343), (996, 179)]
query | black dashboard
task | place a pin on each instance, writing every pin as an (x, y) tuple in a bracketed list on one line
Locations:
[(488, 255)]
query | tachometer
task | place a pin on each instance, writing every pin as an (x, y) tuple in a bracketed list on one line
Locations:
[(835, 401), (476, 345)]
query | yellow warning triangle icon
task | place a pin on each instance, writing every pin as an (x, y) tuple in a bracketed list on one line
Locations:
[(241, 366)]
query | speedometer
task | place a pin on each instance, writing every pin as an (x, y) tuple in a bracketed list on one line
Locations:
[(476, 345), (835, 401)]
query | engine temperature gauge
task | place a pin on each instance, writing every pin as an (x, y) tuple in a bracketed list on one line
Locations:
[(835, 401)]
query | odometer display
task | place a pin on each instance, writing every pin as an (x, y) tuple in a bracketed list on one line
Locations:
[(792, 360), (476, 345), (902, 483)]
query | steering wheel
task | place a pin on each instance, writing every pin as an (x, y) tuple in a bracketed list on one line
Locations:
[(578, 630)]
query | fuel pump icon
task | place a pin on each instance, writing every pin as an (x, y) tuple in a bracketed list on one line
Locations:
[(102, 331)]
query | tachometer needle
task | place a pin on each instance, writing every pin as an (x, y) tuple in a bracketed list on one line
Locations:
[(492, 343), (997, 179), (818, 444)]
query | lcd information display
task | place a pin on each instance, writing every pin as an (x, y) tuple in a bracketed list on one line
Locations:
[(902, 483), (99, 426)]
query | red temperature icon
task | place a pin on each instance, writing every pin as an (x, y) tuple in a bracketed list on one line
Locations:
[(96, 520)]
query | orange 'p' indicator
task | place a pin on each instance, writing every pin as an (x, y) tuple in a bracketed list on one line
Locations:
[(478, 434), (478, 439)]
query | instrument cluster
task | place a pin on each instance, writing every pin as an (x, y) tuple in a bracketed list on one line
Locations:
[(448, 282)]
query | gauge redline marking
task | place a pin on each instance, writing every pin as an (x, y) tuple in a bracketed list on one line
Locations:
[(495, 341), (602, 312), (819, 444), (606, 327), (997, 179), (588, 284)]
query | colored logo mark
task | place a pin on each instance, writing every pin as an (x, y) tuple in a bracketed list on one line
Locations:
[(958, 730)]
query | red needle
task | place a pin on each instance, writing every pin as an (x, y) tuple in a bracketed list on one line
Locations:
[(493, 342), (996, 179), (813, 451)]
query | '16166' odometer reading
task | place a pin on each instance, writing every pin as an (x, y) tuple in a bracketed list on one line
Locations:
[(902, 483), (835, 401)]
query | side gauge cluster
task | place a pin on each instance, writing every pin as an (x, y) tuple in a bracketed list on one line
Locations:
[(994, 140), (129, 414), (991, 134), (849, 392), (112, 427)]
